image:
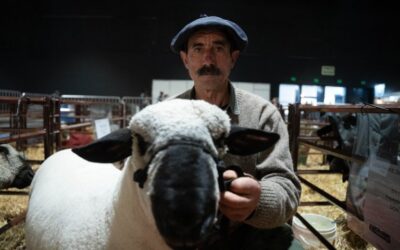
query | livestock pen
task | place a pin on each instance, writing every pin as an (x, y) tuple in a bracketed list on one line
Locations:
[(26, 123), (360, 203), (36, 124), (132, 105), (79, 115)]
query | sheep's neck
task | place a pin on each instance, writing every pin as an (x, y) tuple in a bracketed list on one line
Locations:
[(130, 193), (132, 221)]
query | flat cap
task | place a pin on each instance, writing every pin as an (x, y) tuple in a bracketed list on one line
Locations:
[(236, 35)]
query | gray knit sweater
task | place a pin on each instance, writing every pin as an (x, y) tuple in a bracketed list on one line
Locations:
[(280, 188)]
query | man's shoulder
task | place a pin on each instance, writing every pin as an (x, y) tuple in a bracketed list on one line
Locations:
[(244, 96), (258, 105)]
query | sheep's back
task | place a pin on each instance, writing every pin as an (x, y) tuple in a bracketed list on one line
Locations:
[(70, 200)]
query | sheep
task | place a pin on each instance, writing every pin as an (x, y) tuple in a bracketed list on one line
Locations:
[(342, 128), (14, 170), (173, 150)]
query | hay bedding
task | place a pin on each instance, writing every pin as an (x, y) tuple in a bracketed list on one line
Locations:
[(34, 152), (345, 239), (332, 184), (12, 205)]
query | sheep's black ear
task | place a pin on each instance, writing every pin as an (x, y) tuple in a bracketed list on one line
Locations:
[(113, 147), (247, 141)]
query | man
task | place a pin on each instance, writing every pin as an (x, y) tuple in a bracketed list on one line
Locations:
[(269, 194)]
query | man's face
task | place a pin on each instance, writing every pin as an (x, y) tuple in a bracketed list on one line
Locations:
[(209, 59)]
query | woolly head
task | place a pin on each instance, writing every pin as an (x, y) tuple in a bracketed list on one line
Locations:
[(180, 119), (182, 145)]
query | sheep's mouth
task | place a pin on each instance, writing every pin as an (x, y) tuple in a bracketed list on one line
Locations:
[(190, 239), (184, 196), (184, 224)]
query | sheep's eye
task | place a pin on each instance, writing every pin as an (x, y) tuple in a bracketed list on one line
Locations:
[(4, 150), (220, 141), (143, 146), (21, 158)]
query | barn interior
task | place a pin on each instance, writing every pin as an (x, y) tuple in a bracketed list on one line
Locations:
[(71, 71)]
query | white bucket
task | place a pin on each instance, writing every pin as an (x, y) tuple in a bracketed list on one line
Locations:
[(324, 225)]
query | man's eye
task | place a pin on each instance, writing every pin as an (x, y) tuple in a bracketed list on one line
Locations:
[(220, 48)]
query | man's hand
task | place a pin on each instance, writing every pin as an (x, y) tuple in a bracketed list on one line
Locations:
[(242, 198)]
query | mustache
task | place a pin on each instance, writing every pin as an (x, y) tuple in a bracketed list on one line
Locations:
[(209, 70)]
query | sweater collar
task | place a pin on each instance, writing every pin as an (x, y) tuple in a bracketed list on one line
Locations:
[(233, 105)]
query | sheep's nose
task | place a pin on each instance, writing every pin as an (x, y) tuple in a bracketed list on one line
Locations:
[(183, 221), (184, 195), (180, 237)]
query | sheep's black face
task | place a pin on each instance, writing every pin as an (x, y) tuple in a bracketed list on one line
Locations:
[(185, 195), (24, 177)]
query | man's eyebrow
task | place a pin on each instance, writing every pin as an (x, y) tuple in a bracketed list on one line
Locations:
[(197, 44), (220, 42)]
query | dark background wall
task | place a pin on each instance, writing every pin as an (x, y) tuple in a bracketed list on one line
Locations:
[(118, 47)]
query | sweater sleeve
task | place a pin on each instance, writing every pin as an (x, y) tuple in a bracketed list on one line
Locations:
[(280, 188)]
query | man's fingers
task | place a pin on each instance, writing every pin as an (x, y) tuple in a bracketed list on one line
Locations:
[(234, 214), (233, 200), (230, 174), (244, 186)]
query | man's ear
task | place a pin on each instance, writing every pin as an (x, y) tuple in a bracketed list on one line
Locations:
[(183, 55), (113, 147), (235, 55), (247, 141)]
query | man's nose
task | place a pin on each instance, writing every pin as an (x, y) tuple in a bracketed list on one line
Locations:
[(209, 56)]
